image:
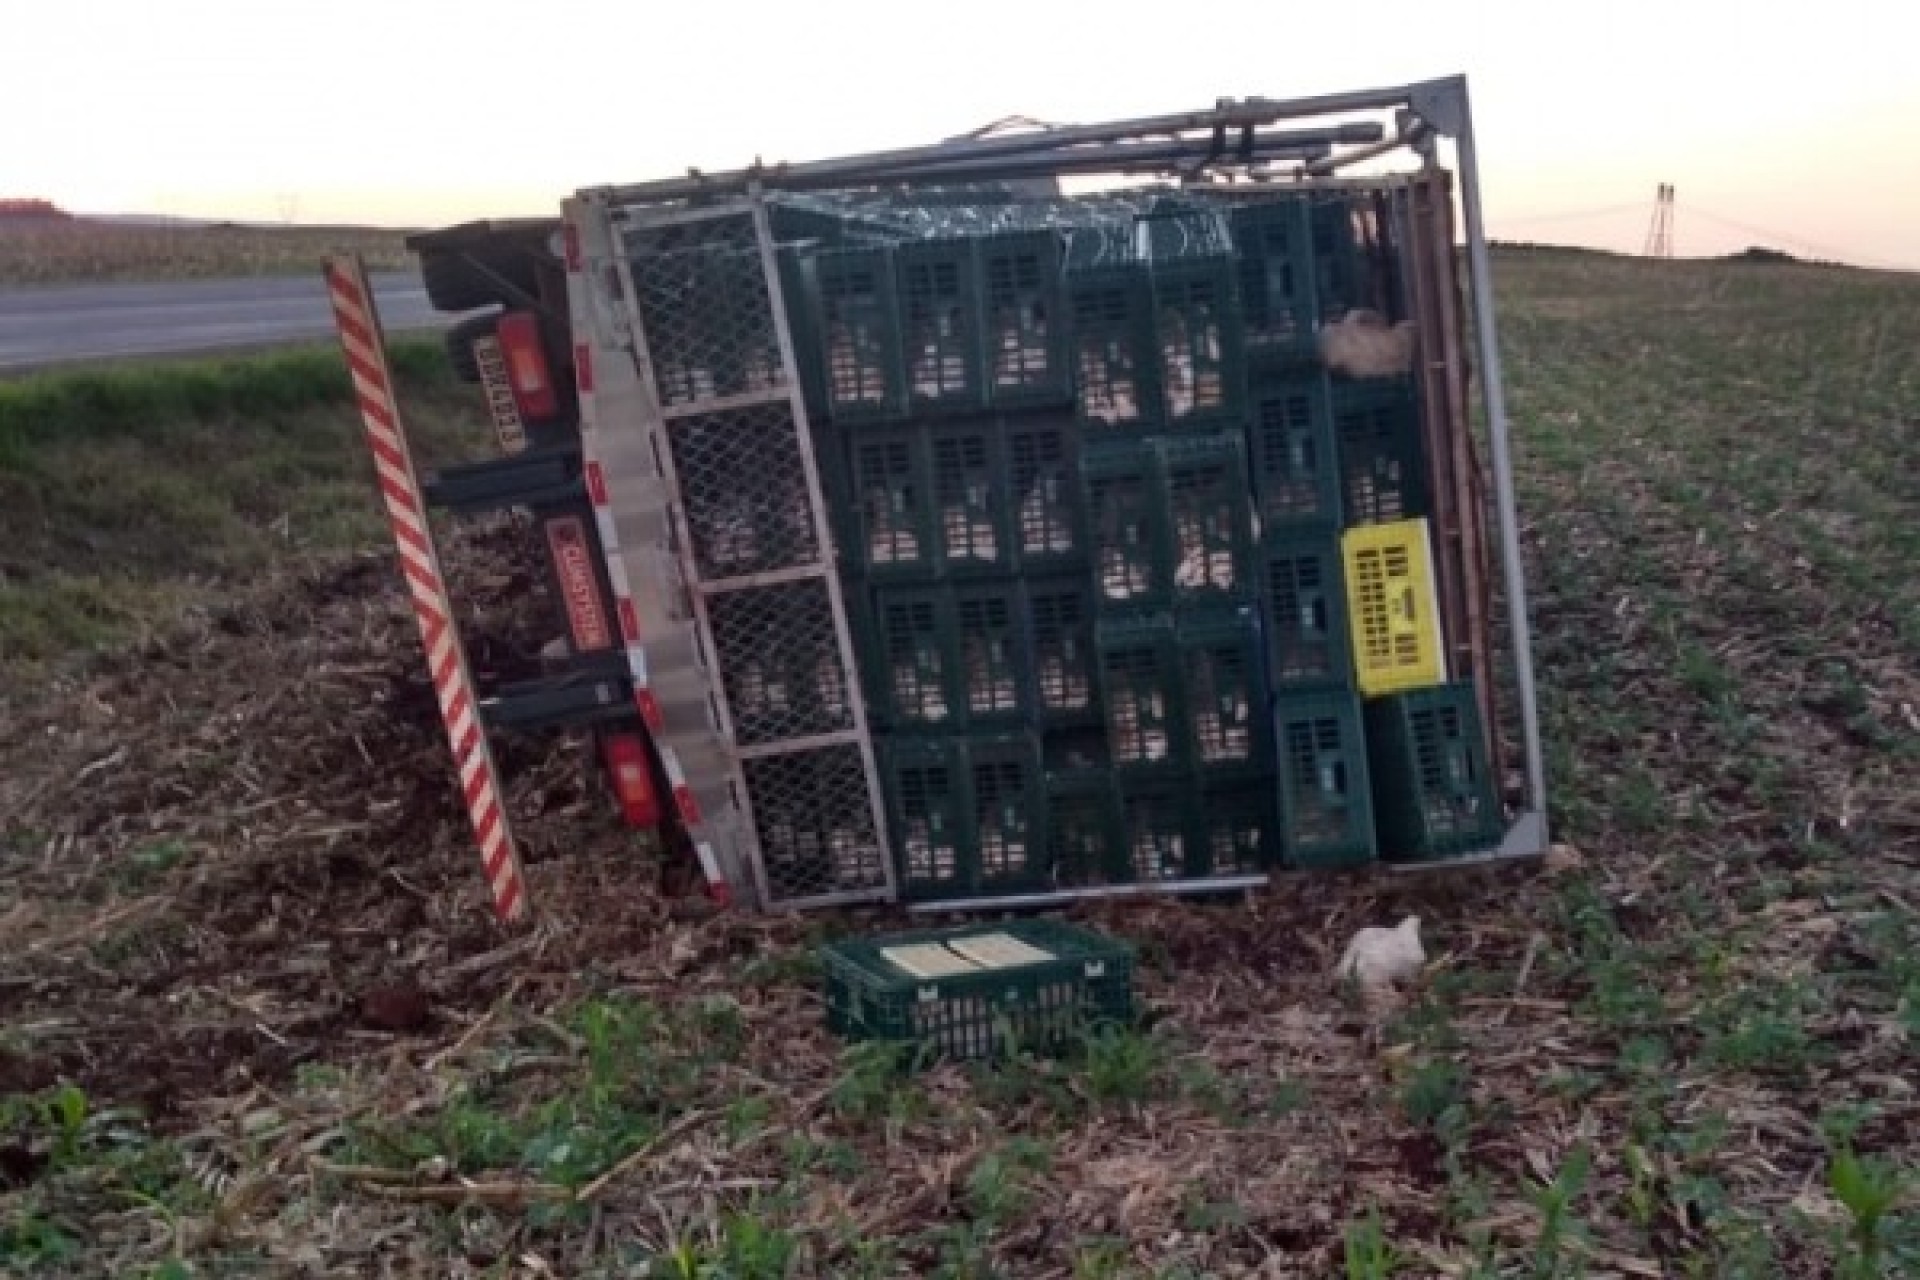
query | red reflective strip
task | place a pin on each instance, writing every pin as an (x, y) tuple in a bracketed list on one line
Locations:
[(649, 709), (683, 801), (391, 454), (507, 901), (596, 484), (629, 622), (479, 786), (583, 367), (570, 237)]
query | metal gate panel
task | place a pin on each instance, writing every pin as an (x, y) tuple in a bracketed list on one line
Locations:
[(749, 528)]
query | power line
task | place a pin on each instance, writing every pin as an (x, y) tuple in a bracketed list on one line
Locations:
[(1568, 215), (1801, 242)]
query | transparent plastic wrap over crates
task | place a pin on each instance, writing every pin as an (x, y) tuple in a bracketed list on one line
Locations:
[(1092, 490)]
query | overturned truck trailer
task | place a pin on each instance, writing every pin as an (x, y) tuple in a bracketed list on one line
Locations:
[(1054, 513)]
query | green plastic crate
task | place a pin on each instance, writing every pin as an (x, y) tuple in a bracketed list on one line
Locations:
[(1382, 465), (1066, 678), (1023, 319), (1433, 793), (928, 816), (1043, 479), (1209, 519), (973, 529), (916, 652), (1158, 827), (1109, 294), (995, 684), (1008, 791), (1237, 824), (1080, 979), (857, 327), (1197, 322), (1126, 516), (1084, 835), (891, 520), (1305, 603), (1170, 520), (1326, 810), (1296, 467), (1140, 694), (1223, 695), (1274, 242), (940, 324)]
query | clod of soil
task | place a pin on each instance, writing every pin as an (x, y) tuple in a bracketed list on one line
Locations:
[(399, 1007)]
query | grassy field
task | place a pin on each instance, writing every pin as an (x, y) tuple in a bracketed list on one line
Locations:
[(256, 1021), (61, 252)]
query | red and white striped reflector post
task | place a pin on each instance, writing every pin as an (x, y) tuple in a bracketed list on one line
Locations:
[(365, 347)]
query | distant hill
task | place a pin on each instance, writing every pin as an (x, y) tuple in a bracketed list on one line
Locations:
[(20, 209)]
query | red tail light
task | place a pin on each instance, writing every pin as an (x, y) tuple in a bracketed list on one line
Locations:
[(632, 773), (527, 365)]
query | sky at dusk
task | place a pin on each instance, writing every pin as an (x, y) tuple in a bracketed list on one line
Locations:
[(1796, 127)]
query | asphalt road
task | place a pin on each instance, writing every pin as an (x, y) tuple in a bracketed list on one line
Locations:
[(62, 324)]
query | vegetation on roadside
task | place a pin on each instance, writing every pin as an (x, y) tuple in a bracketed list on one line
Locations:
[(128, 493), (41, 252)]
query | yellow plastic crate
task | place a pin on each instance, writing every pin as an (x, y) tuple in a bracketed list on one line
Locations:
[(1393, 609)]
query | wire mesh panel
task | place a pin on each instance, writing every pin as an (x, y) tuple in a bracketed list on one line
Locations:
[(737, 454), (703, 301), (744, 491), (780, 662), (1049, 529), (813, 814)]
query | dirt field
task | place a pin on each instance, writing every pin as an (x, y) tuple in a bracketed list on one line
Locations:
[(58, 252), (255, 1019)]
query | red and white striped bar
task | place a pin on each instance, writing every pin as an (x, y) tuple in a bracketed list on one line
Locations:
[(365, 347), (645, 703)]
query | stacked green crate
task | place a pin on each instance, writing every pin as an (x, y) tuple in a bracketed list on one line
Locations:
[(1433, 790)]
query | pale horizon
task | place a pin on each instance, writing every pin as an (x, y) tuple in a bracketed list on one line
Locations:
[(1797, 134)]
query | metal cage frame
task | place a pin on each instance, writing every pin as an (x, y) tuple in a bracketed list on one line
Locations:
[(1324, 135)]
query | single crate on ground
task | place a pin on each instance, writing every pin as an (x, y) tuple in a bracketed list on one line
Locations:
[(963, 992)]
